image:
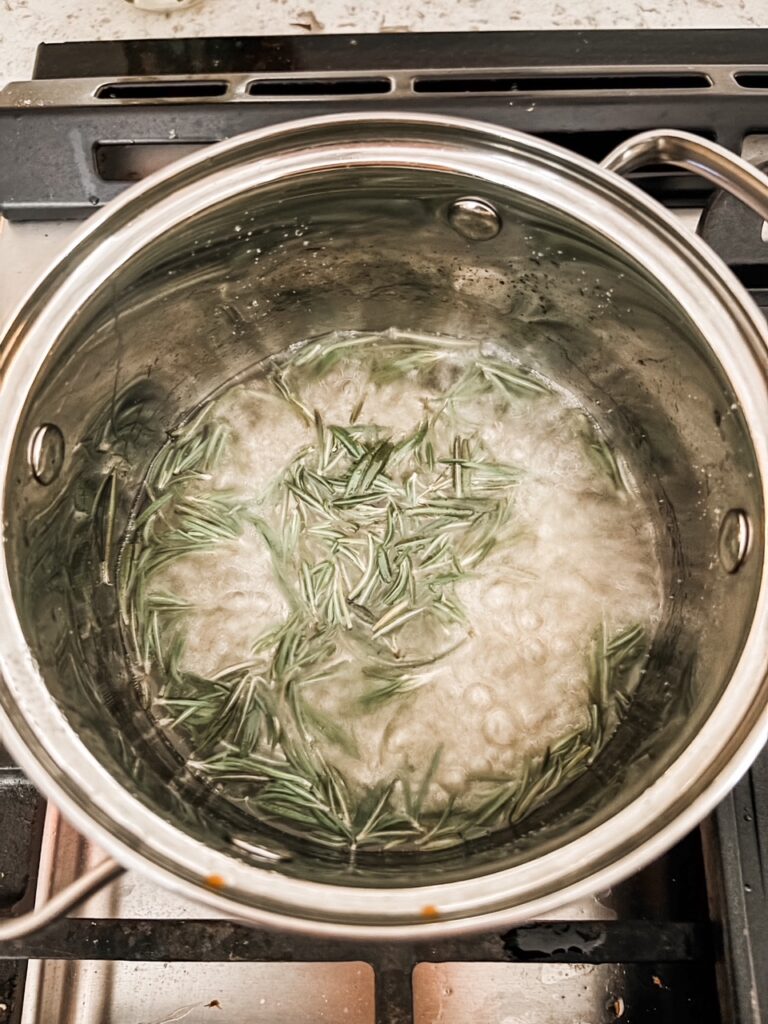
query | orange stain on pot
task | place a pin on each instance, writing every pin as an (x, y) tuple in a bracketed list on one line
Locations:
[(429, 912), (215, 882)]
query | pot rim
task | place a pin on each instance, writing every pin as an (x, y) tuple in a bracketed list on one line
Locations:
[(64, 769)]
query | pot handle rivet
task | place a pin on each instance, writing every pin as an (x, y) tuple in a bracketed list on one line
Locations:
[(474, 219), (46, 453), (733, 542)]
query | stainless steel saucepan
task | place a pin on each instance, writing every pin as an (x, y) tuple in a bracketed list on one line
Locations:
[(370, 222)]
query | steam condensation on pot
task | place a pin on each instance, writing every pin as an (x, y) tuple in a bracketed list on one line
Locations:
[(392, 590)]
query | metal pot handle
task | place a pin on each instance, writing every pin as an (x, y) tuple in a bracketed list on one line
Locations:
[(75, 893), (705, 158)]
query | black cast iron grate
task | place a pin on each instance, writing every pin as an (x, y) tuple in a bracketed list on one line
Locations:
[(99, 115)]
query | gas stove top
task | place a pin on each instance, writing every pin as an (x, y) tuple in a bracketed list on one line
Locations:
[(685, 940)]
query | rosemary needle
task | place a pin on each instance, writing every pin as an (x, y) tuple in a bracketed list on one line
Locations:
[(369, 532)]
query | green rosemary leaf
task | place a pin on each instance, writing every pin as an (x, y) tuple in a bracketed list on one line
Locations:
[(323, 354), (625, 646), (426, 782), (448, 611), (399, 686), (605, 460), (284, 390), (108, 492), (510, 379), (441, 829), (349, 443), (395, 618), (369, 574), (354, 415), (337, 611), (368, 468), (319, 430), (490, 808), (302, 494), (411, 442), (383, 564), (349, 501), (192, 428), (401, 585), (308, 592), (375, 815)]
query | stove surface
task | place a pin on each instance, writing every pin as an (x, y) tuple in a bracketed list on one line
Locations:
[(116, 991), (685, 940)]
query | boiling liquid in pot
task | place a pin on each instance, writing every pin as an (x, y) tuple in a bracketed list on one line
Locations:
[(391, 591)]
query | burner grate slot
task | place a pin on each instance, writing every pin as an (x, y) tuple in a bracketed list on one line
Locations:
[(176, 90), (132, 161), (752, 79), (754, 276), (559, 83), (319, 87)]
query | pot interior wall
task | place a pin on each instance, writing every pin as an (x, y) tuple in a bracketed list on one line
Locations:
[(369, 250)]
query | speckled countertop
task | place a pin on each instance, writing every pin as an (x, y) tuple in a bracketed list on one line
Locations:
[(25, 23)]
